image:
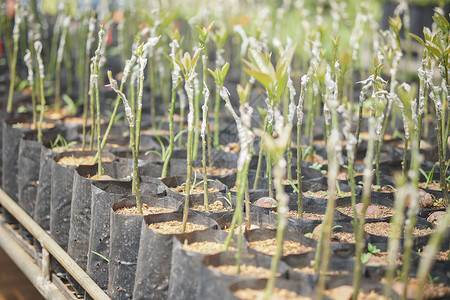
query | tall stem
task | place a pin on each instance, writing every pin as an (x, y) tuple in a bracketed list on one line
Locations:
[(299, 172), (216, 141), (359, 235), (260, 155), (16, 36)]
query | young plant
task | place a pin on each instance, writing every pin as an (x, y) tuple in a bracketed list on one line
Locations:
[(246, 137), (371, 250), (219, 37), (29, 63), (96, 97), (203, 37), (134, 130), (187, 65), (322, 255), (87, 55), (394, 238), (359, 234), (16, 35), (303, 91), (176, 80), (276, 148), (437, 45), (274, 80), (41, 76), (59, 58)]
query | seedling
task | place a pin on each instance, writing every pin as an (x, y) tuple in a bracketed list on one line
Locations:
[(372, 249), (428, 177)]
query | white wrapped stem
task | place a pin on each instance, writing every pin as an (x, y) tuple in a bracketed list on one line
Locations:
[(301, 99), (29, 63), (38, 49), (204, 109), (128, 111)]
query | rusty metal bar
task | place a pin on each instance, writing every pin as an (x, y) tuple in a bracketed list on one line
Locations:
[(52, 247)]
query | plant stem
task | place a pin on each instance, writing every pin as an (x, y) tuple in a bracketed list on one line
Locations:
[(216, 141), (196, 118), (171, 133), (299, 172), (12, 77), (282, 209), (91, 27), (359, 235), (405, 157), (258, 167), (190, 91), (40, 78), (394, 243)]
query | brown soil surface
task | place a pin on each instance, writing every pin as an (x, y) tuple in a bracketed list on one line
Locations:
[(269, 247), (309, 216), (384, 229), (80, 121), (431, 290), (76, 161), (431, 185), (101, 177), (216, 207), (245, 270), (383, 211), (383, 189), (155, 132), (45, 125), (401, 144), (196, 190), (310, 270), (324, 194), (206, 247), (442, 256), (146, 210), (278, 294), (53, 115), (381, 258), (231, 148), (174, 227), (216, 171)]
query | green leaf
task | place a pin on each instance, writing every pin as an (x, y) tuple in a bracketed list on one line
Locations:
[(433, 49), (309, 235), (262, 78), (417, 38), (365, 257), (441, 21)]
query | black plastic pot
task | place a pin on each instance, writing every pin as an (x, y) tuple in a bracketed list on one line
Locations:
[(80, 212), (260, 220), (28, 176), (305, 289), (184, 273), (124, 244), (61, 198), (214, 284), (264, 234), (44, 192), (194, 199), (340, 249), (373, 201), (155, 256), (418, 242), (11, 136), (103, 196)]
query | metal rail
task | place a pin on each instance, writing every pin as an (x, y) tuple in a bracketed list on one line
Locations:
[(41, 277)]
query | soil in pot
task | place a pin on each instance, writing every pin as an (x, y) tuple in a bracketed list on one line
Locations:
[(264, 241), (379, 233), (218, 271), (125, 238), (432, 290), (188, 251), (257, 221), (155, 251), (380, 209), (284, 289)]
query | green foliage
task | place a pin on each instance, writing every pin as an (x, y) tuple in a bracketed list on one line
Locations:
[(428, 177), (219, 74), (372, 249), (273, 79), (60, 141)]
